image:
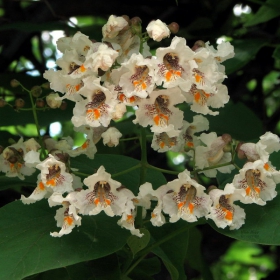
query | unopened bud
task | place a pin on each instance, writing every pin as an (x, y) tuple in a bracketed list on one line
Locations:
[(63, 105), (198, 44), (227, 148), (135, 23), (46, 85), (15, 83), (53, 101), (2, 102), (174, 27), (19, 103), (36, 91), (63, 157), (227, 138), (126, 17), (40, 103), (212, 187)]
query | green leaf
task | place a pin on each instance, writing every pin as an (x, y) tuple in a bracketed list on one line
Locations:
[(261, 224), (237, 120), (150, 266), (27, 248), (245, 50), (90, 270), (269, 10), (115, 164), (136, 243), (194, 255), (276, 53), (173, 251), (11, 182)]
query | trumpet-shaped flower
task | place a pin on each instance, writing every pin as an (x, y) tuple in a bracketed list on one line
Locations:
[(256, 184), (159, 111), (224, 212), (185, 199)]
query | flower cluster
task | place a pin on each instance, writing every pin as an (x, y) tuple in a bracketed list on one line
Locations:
[(103, 79)]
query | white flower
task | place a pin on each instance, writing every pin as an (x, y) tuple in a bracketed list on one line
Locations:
[(224, 212), (146, 194), (54, 175), (53, 100), (135, 76), (224, 51), (64, 84), (113, 26), (174, 65), (12, 160), (111, 137), (188, 130), (102, 58), (187, 199), (212, 155), (39, 192), (98, 108), (102, 195), (256, 183), (167, 141), (158, 30), (160, 112), (67, 216)]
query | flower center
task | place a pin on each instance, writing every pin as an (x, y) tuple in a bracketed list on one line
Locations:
[(185, 198), (101, 194)]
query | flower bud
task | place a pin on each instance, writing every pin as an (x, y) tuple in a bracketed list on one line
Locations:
[(40, 103), (198, 44), (46, 85), (2, 102), (53, 101), (227, 138), (36, 91), (15, 83), (158, 30), (126, 17), (210, 188), (135, 23), (174, 27), (19, 103)]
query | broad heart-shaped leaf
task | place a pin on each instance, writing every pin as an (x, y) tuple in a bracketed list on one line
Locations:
[(269, 10), (115, 164), (147, 267), (90, 270), (27, 248), (173, 251), (136, 243), (10, 182), (194, 255), (276, 53), (245, 50), (235, 118)]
